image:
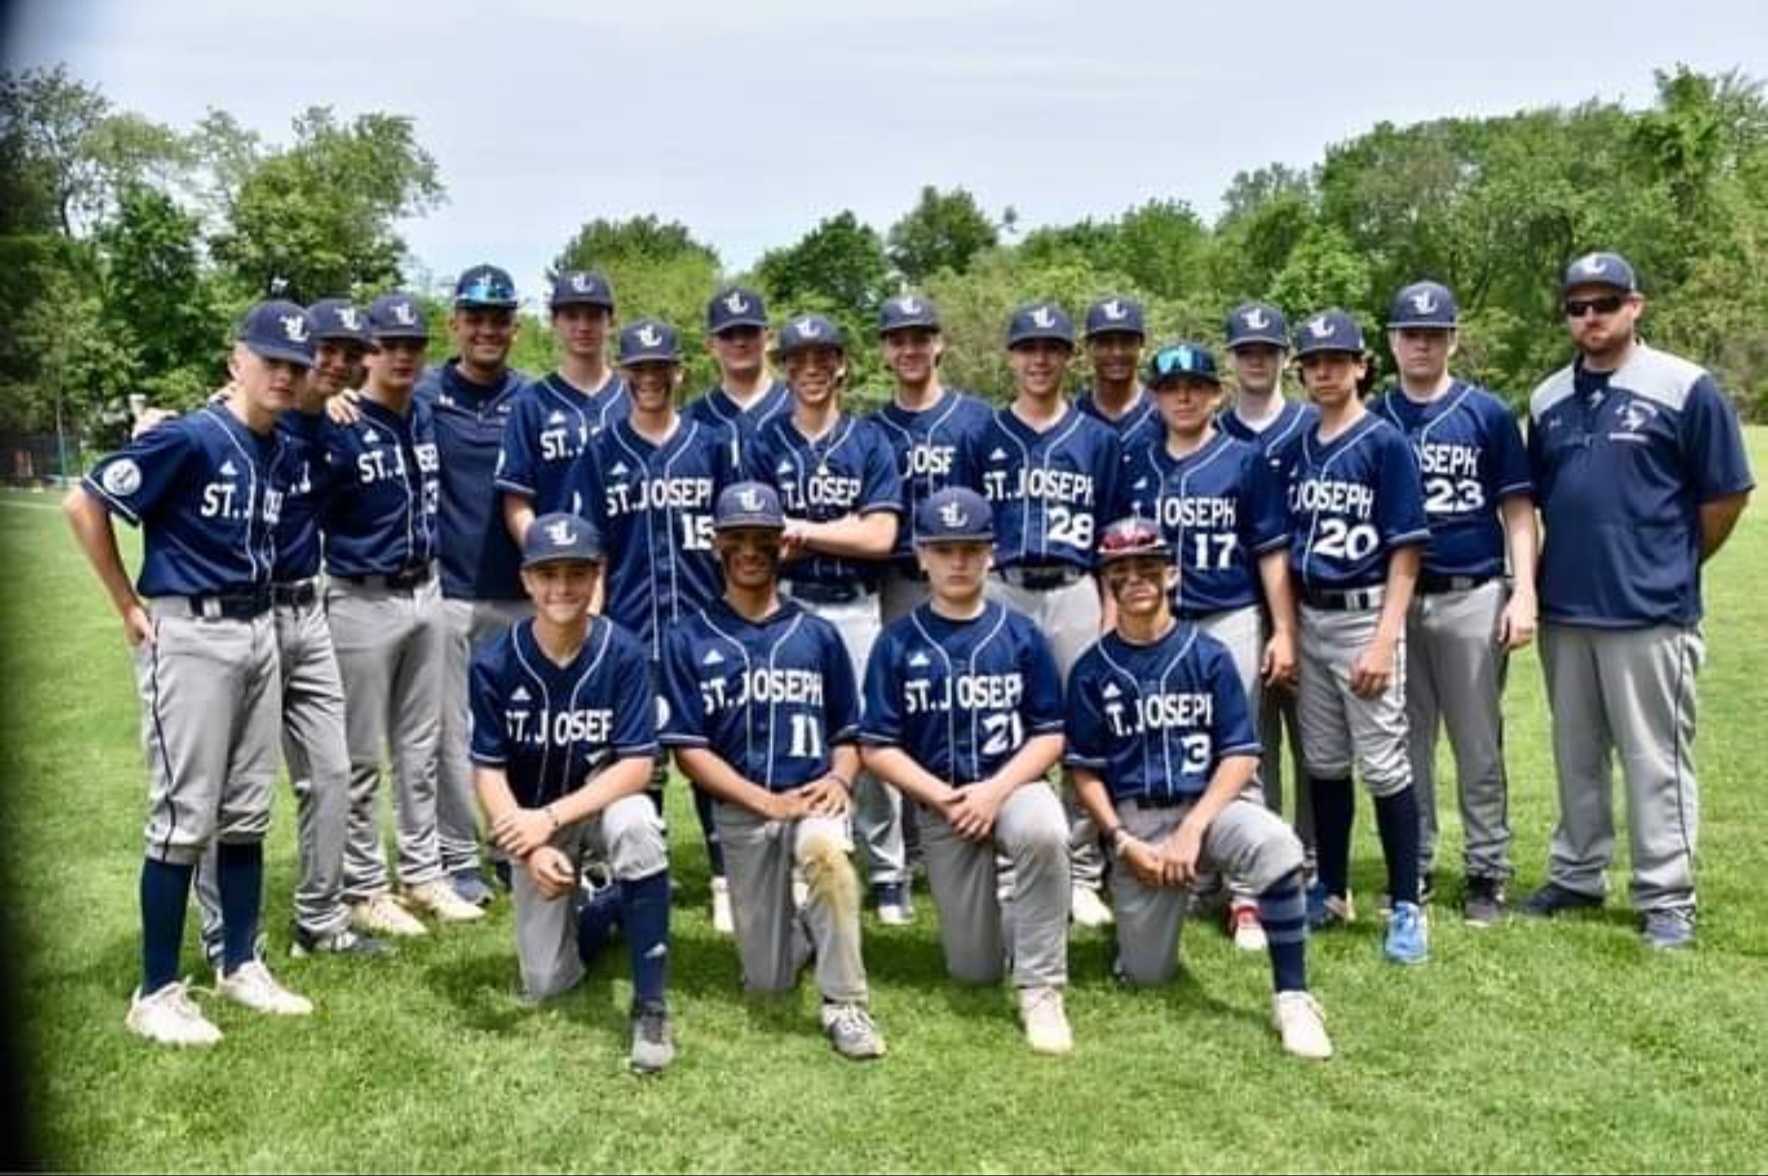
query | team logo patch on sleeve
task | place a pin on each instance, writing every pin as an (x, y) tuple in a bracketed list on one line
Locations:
[(122, 478)]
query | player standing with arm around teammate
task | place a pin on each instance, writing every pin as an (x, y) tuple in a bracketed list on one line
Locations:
[(1220, 508), (1163, 753), (1049, 474), (837, 477), (1640, 471), (1116, 332), (747, 395), (963, 713), (1357, 530), (207, 489), (564, 735), (763, 712), (1464, 621)]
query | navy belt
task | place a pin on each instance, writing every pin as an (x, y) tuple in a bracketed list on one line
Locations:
[(1431, 585), (1041, 577), (1162, 802), (302, 594), (814, 593), (1350, 600), (404, 580), (245, 606)]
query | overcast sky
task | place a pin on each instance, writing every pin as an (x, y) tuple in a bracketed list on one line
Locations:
[(751, 120)]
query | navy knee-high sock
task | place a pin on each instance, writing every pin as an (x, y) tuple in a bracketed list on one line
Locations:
[(165, 893), (1335, 813), (644, 918), (1283, 909), (239, 874), (1397, 818)]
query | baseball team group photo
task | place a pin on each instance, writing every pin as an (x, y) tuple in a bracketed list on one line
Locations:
[(1271, 690)]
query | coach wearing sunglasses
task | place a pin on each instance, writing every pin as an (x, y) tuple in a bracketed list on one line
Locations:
[(1640, 474)]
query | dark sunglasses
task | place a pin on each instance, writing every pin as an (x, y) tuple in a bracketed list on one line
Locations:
[(1577, 308)]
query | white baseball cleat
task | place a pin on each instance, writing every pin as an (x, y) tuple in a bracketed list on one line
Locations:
[(1046, 1023), (382, 915), (1088, 909), (1302, 1022), (170, 1017), (439, 899), (1244, 925), (252, 985)]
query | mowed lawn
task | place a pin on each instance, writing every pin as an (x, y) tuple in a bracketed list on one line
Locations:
[(1529, 1046)]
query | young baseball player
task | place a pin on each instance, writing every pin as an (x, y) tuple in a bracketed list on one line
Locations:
[(747, 395), (763, 713), (1261, 416), (1116, 332), (1357, 531), (1163, 751), (649, 484), (926, 424), (564, 736), (1049, 474), (1220, 508), (207, 489), (385, 613), (1465, 619), (313, 740), (963, 713), (552, 419), (837, 476)]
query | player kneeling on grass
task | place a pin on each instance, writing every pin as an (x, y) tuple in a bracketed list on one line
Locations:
[(963, 713), (207, 490), (763, 713), (564, 737), (1164, 758)]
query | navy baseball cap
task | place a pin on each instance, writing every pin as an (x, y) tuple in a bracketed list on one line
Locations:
[(1116, 314), (809, 330), (1600, 269), (485, 285), (278, 330), (956, 514), (561, 538), (397, 316), (1330, 330), (1040, 320), (1132, 538), (581, 288), (339, 319), (748, 504), (649, 340), (1257, 322), (1425, 304), (905, 311), (1180, 360), (735, 306)]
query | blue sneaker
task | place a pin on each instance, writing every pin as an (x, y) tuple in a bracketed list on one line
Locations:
[(1408, 936), (470, 886), (1329, 910), (1554, 899), (599, 917), (1668, 930)]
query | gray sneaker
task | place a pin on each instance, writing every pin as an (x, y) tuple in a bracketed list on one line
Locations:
[(1668, 930), (851, 1031), (1483, 905), (653, 1046)]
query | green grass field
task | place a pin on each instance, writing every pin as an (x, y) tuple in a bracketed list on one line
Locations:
[(1557, 1047)]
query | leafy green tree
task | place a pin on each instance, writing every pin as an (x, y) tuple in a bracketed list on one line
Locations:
[(944, 231)]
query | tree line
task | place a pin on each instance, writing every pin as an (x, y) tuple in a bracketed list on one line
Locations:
[(128, 244)]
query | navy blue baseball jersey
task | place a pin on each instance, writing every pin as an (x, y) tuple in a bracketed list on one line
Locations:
[(208, 492), (1220, 508), (551, 727), (1622, 463), (550, 423), (926, 444), (653, 507), (1470, 451), (770, 698), (1278, 441), (717, 408), (479, 559), (1049, 490), (380, 511), (1352, 501), (297, 533), (848, 470), (1155, 721), (1141, 425), (961, 697)]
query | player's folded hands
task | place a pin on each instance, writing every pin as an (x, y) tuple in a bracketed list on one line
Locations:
[(521, 831), (551, 871)]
